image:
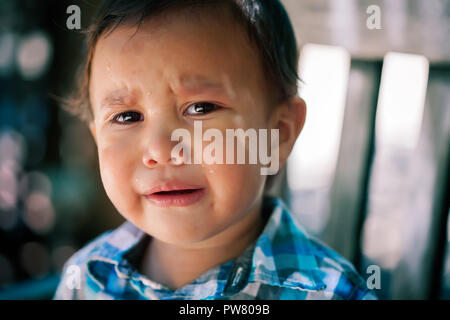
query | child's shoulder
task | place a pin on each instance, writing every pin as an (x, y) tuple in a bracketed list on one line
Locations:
[(71, 285), (337, 273), (305, 262), (103, 247), (107, 244), (91, 248)]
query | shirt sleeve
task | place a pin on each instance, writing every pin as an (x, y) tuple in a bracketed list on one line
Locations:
[(72, 282), (72, 285)]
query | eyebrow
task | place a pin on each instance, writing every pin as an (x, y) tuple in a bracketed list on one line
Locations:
[(188, 85), (116, 98), (197, 84)]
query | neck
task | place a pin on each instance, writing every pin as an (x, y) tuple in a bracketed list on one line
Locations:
[(162, 260)]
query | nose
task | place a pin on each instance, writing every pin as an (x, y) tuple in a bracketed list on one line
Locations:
[(158, 149)]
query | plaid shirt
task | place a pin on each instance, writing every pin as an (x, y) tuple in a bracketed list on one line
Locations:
[(283, 263)]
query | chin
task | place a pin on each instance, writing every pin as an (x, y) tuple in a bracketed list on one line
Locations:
[(183, 238)]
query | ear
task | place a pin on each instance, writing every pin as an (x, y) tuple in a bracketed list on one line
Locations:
[(289, 118), (92, 129)]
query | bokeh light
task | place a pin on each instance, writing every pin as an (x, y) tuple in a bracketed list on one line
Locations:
[(7, 46), (398, 125), (12, 146), (35, 259), (11, 155), (35, 181), (325, 72), (8, 185), (401, 102), (312, 162), (39, 214), (34, 55)]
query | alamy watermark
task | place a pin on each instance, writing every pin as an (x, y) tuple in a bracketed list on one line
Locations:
[(374, 280), (374, 19), (214, 151), (73, 277), (74, 20)]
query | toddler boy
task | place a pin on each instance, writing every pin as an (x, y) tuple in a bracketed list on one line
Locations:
[(196, 229)]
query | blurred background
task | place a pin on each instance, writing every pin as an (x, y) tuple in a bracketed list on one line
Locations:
[(369, 175)]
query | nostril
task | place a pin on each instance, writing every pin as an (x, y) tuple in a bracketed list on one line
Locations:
[(151, 162)]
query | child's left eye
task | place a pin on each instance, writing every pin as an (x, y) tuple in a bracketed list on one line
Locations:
[(200, 108)]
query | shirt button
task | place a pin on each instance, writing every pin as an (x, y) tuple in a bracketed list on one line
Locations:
[(237, 277)]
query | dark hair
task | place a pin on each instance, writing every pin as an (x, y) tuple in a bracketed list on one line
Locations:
[(265, 21)]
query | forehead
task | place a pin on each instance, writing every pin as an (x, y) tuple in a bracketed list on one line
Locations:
[(182, 47)]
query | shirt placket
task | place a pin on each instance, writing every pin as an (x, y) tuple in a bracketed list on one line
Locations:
[(239, 273)]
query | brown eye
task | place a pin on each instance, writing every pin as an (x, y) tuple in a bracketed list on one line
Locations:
[(200, 108), (128, 117)]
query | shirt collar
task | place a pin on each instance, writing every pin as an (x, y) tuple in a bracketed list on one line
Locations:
[(281, 256), (117, 251)]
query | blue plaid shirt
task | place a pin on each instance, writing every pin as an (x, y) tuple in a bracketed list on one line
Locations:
[(283, 263)]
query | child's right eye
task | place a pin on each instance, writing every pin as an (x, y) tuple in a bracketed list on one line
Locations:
[(127, 117)]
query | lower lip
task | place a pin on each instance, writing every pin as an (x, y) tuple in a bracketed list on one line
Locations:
[(176, 200)]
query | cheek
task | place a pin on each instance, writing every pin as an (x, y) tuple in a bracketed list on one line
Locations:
[(116, 169), (234, 186)]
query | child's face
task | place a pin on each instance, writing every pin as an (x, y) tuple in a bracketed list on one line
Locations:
[(169, 64)]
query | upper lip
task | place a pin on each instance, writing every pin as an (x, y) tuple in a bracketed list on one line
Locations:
[(171, 186)]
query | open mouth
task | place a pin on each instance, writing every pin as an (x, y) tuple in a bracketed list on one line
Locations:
[(176, 198), (176, 192)]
